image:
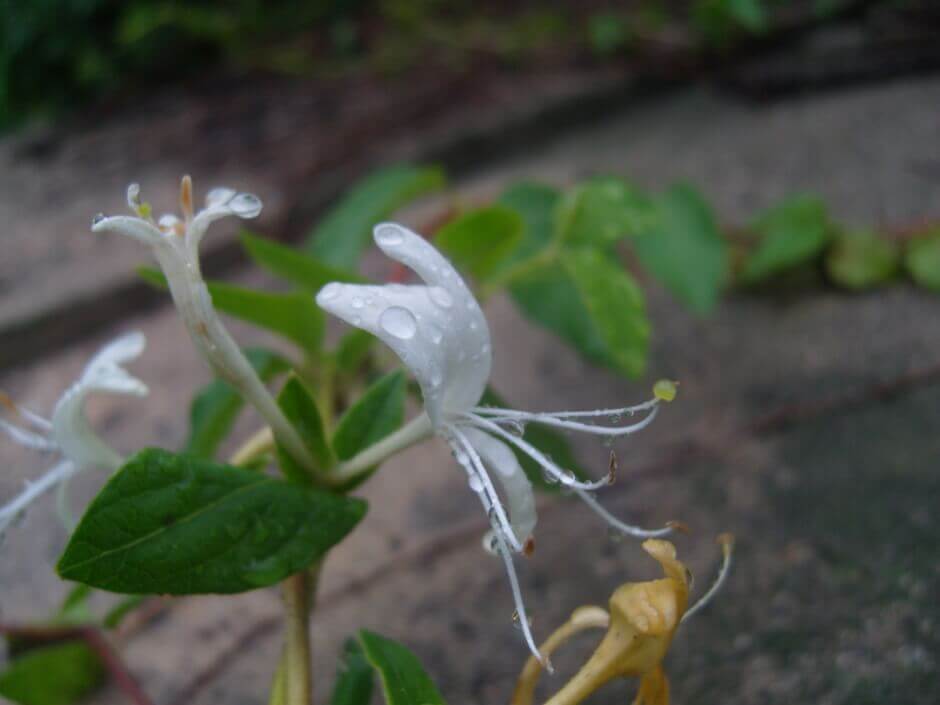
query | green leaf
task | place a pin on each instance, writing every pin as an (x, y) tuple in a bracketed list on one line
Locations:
[(352, 350), (922, 260), (178, 525), (588, 300), (52, 675), (792, 233), (294, 266), (615, 304), (216, 406), (601, 211), (377, 413), (404, 681), (293, 315), (546, 440), (354, 678), (344, 233), (684, 250), (302, 411), (536, 204), (861, 259), (479, 240)]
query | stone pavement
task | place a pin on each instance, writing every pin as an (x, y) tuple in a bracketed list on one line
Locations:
[(807, 425)]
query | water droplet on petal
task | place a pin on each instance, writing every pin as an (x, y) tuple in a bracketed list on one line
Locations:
[(399, 322), (388, 235), (357, 320), (357, 302), (436, 377), (435, 334), (97, 219), (490, 544), (330, 291), (440, 296), (245, 205), (485, 349), (476, 484)]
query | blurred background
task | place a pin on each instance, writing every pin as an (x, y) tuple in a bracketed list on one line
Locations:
[(804, 135)]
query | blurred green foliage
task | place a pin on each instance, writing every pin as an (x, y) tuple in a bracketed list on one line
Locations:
[(56, 53)]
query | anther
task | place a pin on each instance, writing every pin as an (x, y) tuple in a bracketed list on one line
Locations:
[(186, 197)]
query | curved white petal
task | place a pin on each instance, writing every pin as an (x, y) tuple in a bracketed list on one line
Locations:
[(26, 438), (104, 373), (70, 428), (504, 466), (437, 329), (131, 226), (221, 202)]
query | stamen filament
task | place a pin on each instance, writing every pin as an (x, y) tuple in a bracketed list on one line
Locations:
[(623, 411), (566, 479), (613, 521), (488, 496), (27, 438), (59, 472), (517, 597), (549, 420), (416, 430), (727, 548)]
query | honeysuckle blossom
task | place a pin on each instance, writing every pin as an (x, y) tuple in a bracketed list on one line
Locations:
[(68, 433), (175, 244), (438, 330), (641, 624)]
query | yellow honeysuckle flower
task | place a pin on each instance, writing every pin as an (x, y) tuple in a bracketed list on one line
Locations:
[(641, 624)]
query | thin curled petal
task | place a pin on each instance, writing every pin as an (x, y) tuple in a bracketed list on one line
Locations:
[(469, 458), (131, 226), (33, 491), (220, 203), (505, 467), (438, 330), (104, 373)]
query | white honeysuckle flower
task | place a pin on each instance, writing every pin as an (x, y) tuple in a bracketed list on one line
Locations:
[(175, 244), (68, 433), (439, 332)]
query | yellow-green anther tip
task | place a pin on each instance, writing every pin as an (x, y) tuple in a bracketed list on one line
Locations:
[(665, 390)]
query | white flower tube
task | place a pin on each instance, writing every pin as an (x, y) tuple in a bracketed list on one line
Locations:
[(175, 244)]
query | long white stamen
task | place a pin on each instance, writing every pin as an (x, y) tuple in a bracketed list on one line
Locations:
[(35, 419), (557, 422), (593, 413), (27, 438), (619, 525), (33, 491), (491, 501), (727, 544), (62, 505), (517, 597), (564, 477)]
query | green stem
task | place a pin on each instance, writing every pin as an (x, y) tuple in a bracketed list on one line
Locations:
[(414, 431), (296, 661)]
